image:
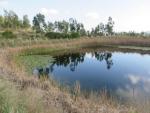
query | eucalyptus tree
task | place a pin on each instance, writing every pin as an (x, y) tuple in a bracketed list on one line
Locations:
[(109, 26), (49, 27), (61, 26), (101, 29), (93, 32), (58, 26), (96, 31), (26, 22), (11, 20), (39, 23), (65, 25), (82, 30), (1, 21), (78, 27), (88, 33), (73, 25)]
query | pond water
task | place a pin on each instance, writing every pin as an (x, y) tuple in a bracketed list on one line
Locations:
[(122, 74)]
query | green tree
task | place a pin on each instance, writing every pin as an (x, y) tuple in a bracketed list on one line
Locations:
[(61, 26), (96, 31), (39, 23), (1, 22), (11, 19), (93, 32), (101, 29), (109, 26), (65, 25), (26, 22), (82, 31), (49, 27), (76, 27), (72, 25)]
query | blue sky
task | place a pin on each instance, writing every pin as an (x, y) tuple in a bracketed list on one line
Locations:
[(127, 14)]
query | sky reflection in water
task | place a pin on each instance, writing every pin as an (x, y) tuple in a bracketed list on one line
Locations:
[(124, 74)]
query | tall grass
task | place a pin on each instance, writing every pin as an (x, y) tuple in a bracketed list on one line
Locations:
[(8, 96), (84, 41), (30, 100), (29, 94)]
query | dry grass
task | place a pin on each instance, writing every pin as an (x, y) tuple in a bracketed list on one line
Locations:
[(130, 41), (45, 96), (14, 99)]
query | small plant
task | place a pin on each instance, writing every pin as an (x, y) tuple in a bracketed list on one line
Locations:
[(8, 34)]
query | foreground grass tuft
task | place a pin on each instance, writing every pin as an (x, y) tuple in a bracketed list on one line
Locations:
[(31, 62), (15, 100), (27, 96), (10, 100)]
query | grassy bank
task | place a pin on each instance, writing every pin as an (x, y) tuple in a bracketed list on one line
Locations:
[(14, 99), (123, 41), (31, 61), (34, 95), (30, 56)]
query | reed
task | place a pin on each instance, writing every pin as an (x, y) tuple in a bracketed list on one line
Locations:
[(42, 95), (84, 41)]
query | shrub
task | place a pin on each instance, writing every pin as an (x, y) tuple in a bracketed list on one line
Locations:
[(55, 35), (75, 35), (8, 34)]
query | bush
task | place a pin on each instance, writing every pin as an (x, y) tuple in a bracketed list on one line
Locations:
[(75, 35), (55, 35), (8, 34)]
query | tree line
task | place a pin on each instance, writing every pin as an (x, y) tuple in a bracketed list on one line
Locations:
[(71, 26), (10, 20), (65, 28)]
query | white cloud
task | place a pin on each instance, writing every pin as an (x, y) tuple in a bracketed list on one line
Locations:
[(49, 12), (134, 79), (92, 15), (139, 84)]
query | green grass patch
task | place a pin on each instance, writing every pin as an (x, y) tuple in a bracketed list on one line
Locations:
[(40, 51), (10, 100), (30, 62), (36, 57), (41, 57), (14, 100)]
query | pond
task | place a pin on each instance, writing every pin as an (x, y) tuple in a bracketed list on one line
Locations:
[(124, 74)]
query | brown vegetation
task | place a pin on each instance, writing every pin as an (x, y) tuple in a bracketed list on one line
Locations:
[(45, 96)]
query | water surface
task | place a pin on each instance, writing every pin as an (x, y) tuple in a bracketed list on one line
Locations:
[(123, 74)]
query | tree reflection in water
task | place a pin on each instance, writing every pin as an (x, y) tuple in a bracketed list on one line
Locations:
[(104, 56), (72, 60)]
